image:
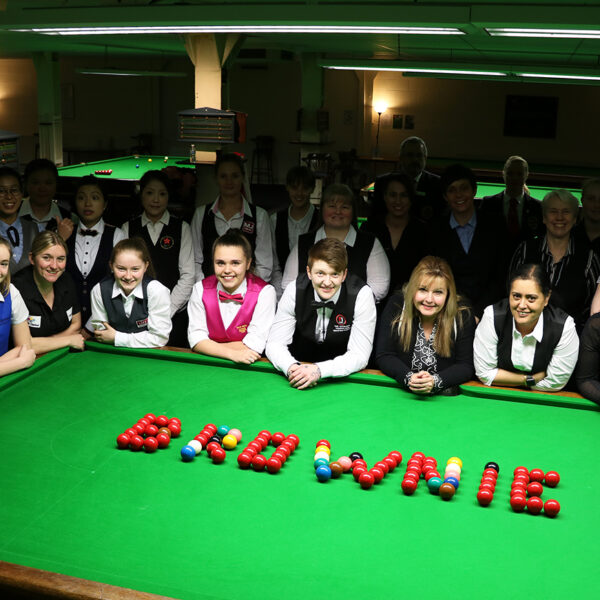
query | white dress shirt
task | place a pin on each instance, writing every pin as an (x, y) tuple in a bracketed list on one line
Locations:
[(53, 213), (159, 314), (360, 342), (180, 294), (295, 228), (19, 312), (560, 368), (86, 246), (258, 329), (378, 266), (263, 251)]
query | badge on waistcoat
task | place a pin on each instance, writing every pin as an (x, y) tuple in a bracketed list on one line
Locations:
[(34, 322), (341, 324), (167, 242), (142, 322), (242, 328), (248, 227)]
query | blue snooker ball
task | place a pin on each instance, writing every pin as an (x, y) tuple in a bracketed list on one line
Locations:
[(188, 453), (323, 473), (452, 480)]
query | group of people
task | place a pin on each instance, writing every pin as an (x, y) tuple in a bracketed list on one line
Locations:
[(419, 290)]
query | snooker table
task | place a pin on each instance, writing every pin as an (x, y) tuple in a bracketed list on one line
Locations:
[(71, 503), (489, 189), (124, 168)]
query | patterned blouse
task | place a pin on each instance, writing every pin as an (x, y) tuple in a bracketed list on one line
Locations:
[(424, 357)]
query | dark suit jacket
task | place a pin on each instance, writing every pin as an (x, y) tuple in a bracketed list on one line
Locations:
[(429, 205), (478, 274), (532, 224), (532, 221)]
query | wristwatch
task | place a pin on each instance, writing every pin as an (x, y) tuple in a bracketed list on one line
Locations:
[(530, 381)]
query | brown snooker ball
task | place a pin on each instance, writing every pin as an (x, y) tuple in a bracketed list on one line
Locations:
[(446, 491)]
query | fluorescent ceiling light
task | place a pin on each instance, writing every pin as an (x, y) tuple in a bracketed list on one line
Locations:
[(554, 76), (419, 70), (544, 33), (127, 72), (243, 29)]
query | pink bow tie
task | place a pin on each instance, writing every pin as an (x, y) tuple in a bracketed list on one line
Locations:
[(235, 297)]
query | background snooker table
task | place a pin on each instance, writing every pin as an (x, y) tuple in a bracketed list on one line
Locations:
[(124, 167), (72, 503)]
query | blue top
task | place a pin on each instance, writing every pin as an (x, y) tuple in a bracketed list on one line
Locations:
[(465, 232)]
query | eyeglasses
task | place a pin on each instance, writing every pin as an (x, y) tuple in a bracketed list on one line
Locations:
[(14, 191)]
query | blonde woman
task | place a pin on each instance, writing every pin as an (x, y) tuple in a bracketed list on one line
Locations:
[(425, 335)]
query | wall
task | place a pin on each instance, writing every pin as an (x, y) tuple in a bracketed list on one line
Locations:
[(18, 102), (465, 119)]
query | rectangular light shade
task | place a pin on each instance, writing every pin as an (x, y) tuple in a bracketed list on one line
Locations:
[(544, 33), (137, 30)]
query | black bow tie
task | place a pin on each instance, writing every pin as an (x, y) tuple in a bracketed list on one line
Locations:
[(91, 232), (317, 305)]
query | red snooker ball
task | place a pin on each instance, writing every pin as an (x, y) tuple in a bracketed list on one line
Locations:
[(151, 418), (409, 486), (163, 440), (367, 479), (536, 475), (143, 421), (123, 441), (273, 465), (358, 471), (535, 489), (162, 421), (136, 442), (218, 455), (551, 508), (323, 443), (151, 430), (150, 444), (377, 474), (139, 428), (258, 462), (552, 478), (485, 497), (244, 460), (490, 473), (277, 438), (535, 505), (294, 438), (390, 462), (518, 502), (175, 429), (396, 456)]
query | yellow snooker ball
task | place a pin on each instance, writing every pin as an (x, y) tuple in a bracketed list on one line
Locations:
[(149, 160), (229, 442), (455, 459)]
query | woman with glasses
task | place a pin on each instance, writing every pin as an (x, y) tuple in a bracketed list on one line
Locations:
[(15, 229), (366, 256)]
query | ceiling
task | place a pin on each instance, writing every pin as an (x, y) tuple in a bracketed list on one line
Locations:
[(475, 47)]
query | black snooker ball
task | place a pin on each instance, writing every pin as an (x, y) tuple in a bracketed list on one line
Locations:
[(492, 465), (355, 455), (215, 438)]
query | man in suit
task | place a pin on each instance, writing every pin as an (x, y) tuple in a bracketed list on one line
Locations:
[(412, 160), (520, 213)]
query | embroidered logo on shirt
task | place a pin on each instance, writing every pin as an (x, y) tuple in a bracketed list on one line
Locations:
[(142, 322), (167, 242), (340, 319), (242, 328), (248, 227), (70, 314), (341, 325), (34, 322)]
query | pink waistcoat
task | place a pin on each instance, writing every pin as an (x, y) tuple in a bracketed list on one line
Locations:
[(239, 326)]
